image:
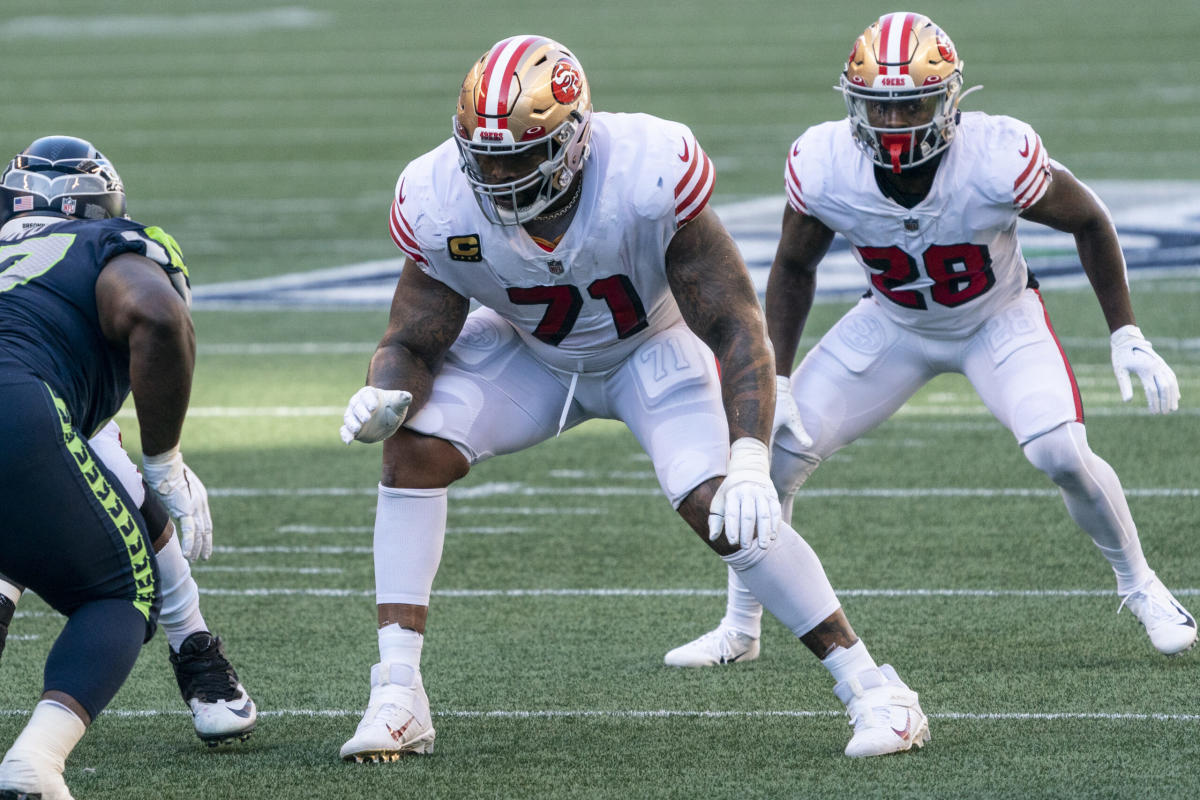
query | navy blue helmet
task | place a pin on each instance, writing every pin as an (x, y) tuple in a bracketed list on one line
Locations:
[(61, 175)]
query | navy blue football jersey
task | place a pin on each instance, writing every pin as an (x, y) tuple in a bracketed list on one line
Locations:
[(49, 325)]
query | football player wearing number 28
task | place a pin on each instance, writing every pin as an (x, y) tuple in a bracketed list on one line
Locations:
[(929, 199), (606, 287)]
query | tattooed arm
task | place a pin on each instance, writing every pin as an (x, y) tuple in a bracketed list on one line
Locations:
[(717, 299), (425, 319)]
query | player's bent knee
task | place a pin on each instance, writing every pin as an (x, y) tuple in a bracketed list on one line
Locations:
[(694, 510), (415, 461), (790, 469), (1061, 453)]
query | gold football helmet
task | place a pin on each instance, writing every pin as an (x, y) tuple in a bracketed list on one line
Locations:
[(902, 83), (522, 127)]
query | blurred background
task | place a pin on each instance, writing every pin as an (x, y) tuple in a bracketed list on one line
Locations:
[(267, 138)]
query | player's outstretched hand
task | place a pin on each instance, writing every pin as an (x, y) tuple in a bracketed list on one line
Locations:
[(786, 413), (374, 414), (746, 505), (1131, 352), (186, 501)]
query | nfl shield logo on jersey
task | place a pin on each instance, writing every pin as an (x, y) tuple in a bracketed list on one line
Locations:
[(555, 266), (911, 224), (68, 205)]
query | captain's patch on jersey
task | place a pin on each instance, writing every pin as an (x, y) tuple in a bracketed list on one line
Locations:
[(464, 248)]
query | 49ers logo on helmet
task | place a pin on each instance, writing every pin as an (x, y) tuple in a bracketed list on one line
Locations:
[(946, 47), (565, 82)]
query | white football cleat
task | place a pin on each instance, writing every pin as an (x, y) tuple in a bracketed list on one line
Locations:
[(397, 720), (884, 713), (222, 711), (1168, 624), (22, 777), (722, 645)]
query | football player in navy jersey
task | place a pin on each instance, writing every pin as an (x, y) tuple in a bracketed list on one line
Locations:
[(93, 307), (222, 711)]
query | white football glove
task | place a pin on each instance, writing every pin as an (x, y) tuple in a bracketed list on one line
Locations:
[(786, 413), (1131, 352), (747, 502), (374, 414), (186, 500)]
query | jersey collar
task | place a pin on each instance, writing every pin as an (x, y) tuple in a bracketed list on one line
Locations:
[(26, 224)]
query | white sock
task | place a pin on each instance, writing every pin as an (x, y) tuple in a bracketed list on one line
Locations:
[(743, 612), (410, 528), (50, 735), (788, 579), (401, 647), (180, 616), (846, 662), (10, 591)]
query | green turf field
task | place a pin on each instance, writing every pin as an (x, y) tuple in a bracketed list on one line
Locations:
[(267, 139)]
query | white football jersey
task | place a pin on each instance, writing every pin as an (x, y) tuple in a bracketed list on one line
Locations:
[(586, 305), (944, 266)]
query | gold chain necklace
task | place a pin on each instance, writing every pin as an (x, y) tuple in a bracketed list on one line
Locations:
[(564, 209)]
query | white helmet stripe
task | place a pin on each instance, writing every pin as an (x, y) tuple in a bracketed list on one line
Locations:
[(895, 35), (497, 80)]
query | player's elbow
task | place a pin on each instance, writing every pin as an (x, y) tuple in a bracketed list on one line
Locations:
[(163, 329)]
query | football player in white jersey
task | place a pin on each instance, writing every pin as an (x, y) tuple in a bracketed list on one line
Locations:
[(222, 711), (929, 199), (606, 286)]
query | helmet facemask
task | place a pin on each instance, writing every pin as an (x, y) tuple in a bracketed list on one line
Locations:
[(899, 129), (554, 160)]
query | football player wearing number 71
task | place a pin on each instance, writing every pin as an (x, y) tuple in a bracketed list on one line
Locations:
[(929, 199), (606, 286)]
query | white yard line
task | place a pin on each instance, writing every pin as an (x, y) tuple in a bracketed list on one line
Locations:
[(684, 592), (346, 348), (183, 25), (317, 529), (1018, 716), (512, 489)]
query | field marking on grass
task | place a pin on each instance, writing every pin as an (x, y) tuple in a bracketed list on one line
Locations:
[(292, 570), (139, 25), (346, 348), (292, 550), (317, 529), (490, 490), (943, 404), (285, 348), (253, 411), (489, 593), (966, 716)]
